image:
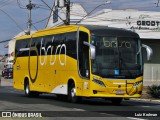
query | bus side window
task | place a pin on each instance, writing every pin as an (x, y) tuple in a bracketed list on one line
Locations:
[(71, 43), (83, 55), (21, 44)]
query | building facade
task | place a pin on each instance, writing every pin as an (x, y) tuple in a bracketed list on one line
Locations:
[(145, 23)]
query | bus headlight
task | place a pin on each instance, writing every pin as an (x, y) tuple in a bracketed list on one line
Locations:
[(137, 83), (99, 82)]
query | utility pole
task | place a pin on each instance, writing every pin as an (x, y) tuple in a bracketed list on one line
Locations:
[(67, 12), (29, 7)]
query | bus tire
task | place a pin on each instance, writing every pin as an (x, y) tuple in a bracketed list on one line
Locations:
[(72, 94), (29, 93), (61, 97), (116, 101)]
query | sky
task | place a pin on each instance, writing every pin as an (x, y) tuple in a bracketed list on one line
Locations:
[(14, 15)]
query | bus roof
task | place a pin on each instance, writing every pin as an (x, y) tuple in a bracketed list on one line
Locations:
[(100, 30), (111, 31)]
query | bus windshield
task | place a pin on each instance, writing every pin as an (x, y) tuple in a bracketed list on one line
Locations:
[(117, 57)]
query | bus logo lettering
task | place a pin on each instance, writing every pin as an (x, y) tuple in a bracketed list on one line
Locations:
[(52, 60), (114, 44)]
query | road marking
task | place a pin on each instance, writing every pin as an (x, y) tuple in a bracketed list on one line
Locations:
[(145, 106), (104, 113), (79, 109), (136, 118), (13, 91), (108, 114)]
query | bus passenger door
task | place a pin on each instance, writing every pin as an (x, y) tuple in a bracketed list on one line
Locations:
[(83, 58)]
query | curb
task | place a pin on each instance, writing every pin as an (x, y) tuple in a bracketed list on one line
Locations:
[(146, 100), (145, 97), (6, 82)]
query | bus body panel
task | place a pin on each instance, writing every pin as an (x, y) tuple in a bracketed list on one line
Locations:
[(50, 72)]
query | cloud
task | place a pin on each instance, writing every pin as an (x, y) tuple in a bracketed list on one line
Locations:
[(134, 4)]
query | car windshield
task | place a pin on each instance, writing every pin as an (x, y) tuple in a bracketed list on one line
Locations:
[(117, 57), (10, 69)]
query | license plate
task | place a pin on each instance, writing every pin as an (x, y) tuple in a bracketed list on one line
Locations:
[(119, 92)]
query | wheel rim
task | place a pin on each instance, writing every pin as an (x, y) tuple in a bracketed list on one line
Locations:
[(73, 92), (27, 89)]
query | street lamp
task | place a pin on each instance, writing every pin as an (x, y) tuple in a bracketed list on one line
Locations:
[(107, 2)]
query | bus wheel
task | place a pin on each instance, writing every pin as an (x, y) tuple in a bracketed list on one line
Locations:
[(72, 94), (29, 93), (27, 89), (116, 101), (61, 97)]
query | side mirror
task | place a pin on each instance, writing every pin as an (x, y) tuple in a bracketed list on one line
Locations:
[(13, 54), (92, 50), (14, 60), (149, 51)]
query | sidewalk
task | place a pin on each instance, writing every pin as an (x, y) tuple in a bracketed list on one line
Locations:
[(6, 82), (146, 97)]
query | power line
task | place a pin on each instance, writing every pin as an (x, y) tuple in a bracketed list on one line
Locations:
[(41, 20), (12, 19), (64, 21), (41, 6), (33, 24), (34, 6), (107, 2), (4, 3), (5, 41), (14, 22), (34, 27), (30, 6), (20, 6)]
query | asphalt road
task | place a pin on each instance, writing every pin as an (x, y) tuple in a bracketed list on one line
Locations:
[(49, 107)]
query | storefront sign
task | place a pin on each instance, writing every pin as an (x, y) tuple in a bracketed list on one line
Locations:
[(148, 23)]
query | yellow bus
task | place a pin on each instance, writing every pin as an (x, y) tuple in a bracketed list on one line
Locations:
[(80, 61)]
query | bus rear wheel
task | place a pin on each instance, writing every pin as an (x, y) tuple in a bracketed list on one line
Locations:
[(29, 93), (72, 94)]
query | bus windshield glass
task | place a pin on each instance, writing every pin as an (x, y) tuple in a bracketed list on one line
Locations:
[(117, 57)]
